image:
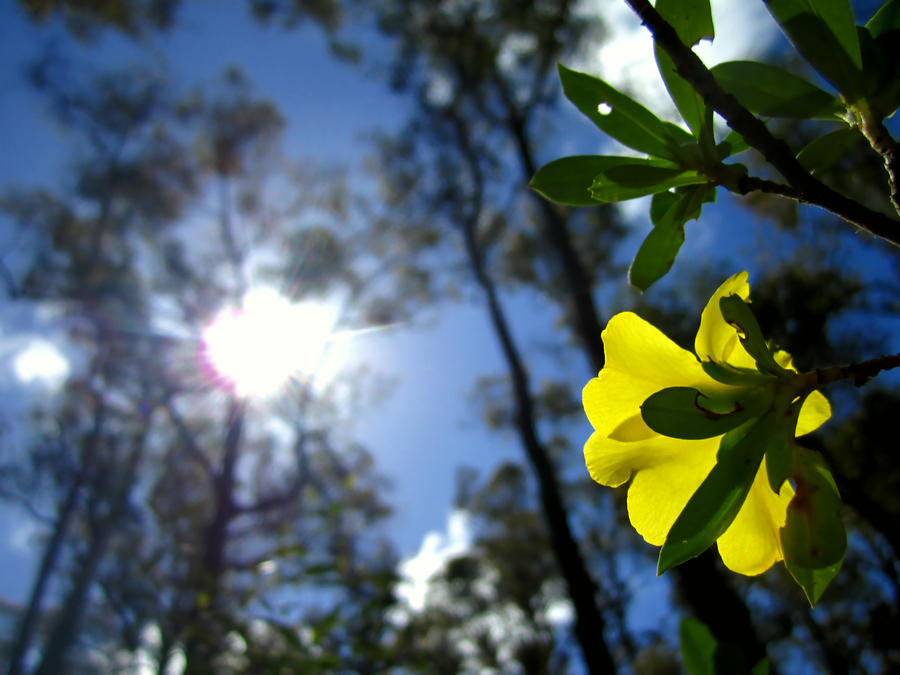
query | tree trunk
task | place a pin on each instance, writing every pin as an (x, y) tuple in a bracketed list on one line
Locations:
[(50, 559), (66, 626), (702, 585)]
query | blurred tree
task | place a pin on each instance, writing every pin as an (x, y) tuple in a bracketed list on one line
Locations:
[(485, 81), (497, 606), (217, 505)]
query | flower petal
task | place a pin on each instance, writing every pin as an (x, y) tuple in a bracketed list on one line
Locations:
[(640, 360), (716, 339), (815, 411), (660, 491), (611, 461), (751, 544)]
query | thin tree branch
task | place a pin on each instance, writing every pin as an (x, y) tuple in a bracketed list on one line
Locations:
[(860, 373), (810, 190), (186, 437)]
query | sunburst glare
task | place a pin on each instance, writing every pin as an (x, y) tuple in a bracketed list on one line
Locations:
[(260, 346)]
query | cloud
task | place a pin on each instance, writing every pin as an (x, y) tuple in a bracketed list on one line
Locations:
[(436, 549), (40, 361)]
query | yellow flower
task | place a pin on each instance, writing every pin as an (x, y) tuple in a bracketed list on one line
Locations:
[(665, 472)]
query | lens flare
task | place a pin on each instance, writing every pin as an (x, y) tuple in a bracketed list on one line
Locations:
[(270, 339)]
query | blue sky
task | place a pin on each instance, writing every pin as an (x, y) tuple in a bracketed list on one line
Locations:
[(426, 428)]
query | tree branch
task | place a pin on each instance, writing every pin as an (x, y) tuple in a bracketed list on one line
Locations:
[(809, 189), (860, 373)]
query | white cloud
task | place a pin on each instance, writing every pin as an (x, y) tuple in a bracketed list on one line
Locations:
[(436, 549), (41, 361), (560, 612)]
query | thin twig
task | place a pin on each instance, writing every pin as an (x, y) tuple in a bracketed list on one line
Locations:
[(808, 189), (860, 373)]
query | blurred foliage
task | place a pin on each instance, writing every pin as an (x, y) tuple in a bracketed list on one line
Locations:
[(286, 567)]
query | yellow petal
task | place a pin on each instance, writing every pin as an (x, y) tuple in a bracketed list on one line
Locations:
[(716, 339), (611, 461), (784, 359), (660, 491), (751, 544), (816, 410), (640, 360)]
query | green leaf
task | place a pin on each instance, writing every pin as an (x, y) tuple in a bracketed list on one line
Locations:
[(771, 91), (702, 654), (881, 58), (828, 150), (813, 535), (780, 460), (885, 20), (824, 32), (684, 412), (691, 19), (717, 501), (568, 180), (762, 667), (656, 256), (638, 178), (689, 103), (813, 538), (698, 647), (623, 118), (814, 581), (738, 313), (669, 212), (733, 375), (732, 144)]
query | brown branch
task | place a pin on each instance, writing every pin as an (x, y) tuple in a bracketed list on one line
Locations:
[(809, 189), (860, 373)]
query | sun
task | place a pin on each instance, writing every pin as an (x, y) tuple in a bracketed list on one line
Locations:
[(258, 347)]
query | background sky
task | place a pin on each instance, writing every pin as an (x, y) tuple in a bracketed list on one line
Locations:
[(426, 428)]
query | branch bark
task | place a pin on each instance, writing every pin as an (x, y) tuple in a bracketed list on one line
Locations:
[(809, 189)]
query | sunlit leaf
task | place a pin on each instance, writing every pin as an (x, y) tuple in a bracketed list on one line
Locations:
[(689, 103), (717, 501), (824, 32), (618, 115), (684, 412), (691, 19), (568, 180), (733, 375), (738, 313), (669, 212), (638, 178), (773, 92)]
